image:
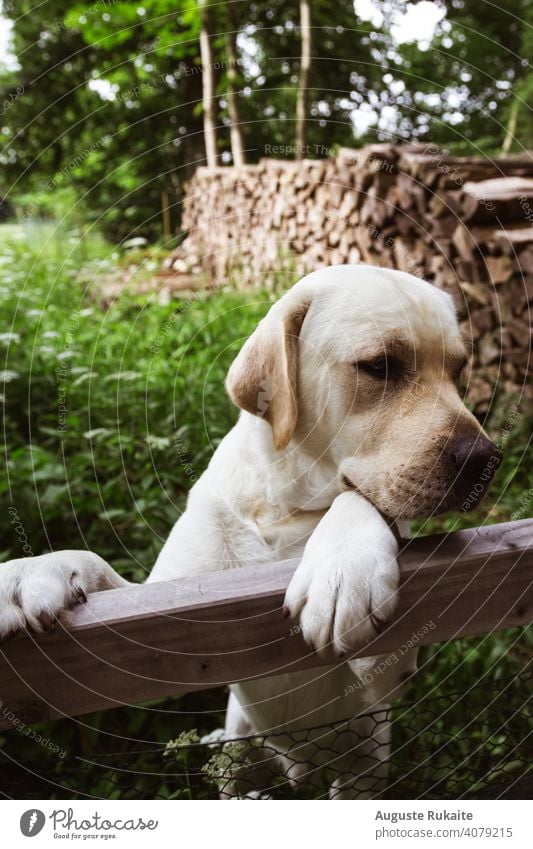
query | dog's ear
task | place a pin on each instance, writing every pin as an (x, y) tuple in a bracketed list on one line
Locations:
[(263, 379)]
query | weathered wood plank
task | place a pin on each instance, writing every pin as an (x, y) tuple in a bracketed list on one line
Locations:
[(153, 640)]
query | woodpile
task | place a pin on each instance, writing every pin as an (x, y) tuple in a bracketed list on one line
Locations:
[(465, 224)]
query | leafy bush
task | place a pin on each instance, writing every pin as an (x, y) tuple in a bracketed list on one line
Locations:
[(109, 413)]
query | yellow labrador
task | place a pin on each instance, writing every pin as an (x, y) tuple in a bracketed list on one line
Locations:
[(351, 420)]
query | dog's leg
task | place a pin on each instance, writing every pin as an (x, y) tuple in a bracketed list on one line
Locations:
[(208, 537), (35, 591), (346, 586)]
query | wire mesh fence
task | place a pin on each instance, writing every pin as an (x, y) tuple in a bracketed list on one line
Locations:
[(405, 752)]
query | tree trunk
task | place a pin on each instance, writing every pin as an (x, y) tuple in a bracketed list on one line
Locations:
[(511, 128), (236, 133), (208, 85), (302, 101), (193, 142)]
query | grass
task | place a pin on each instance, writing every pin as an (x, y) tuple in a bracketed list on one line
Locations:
[(109, 412)]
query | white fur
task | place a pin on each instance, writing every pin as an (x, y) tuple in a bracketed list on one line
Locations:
[(255, 504), (347, 578)]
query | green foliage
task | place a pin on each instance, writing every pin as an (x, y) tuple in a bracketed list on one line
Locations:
[(108, 413), (142, 134), (118, 154), (522, 132), (462, 85)]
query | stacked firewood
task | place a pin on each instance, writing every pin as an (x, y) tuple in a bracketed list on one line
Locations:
[(465, 224)]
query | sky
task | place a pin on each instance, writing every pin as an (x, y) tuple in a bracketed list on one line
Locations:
[(6, 57), (416, 23)]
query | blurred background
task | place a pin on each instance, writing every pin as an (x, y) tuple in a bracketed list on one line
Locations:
[(119, 318), (105, 98)]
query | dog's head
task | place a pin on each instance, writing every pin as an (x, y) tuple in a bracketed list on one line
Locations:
[(359, 366)]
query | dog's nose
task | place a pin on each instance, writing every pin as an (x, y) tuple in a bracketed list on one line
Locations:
[(472, 454), (476, 460)]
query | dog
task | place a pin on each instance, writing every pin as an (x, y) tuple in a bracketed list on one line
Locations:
[(351, 423)]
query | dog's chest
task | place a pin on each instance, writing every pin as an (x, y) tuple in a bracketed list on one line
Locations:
[(285, 533)]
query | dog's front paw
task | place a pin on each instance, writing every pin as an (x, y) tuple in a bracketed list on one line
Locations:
[(34, 591), (345, 589)]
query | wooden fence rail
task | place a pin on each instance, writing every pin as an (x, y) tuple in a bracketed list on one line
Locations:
[(160, 639)]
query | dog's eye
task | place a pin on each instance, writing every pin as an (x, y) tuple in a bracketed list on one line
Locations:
[(383, 368)]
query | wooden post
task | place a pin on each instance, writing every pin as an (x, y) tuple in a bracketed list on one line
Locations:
[(153, 640)]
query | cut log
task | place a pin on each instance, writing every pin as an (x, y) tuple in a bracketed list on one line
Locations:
[(463, 223)]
